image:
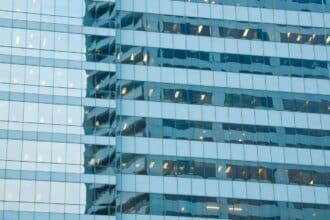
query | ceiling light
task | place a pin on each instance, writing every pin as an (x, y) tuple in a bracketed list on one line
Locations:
[(152, 164), (235, 209), (150, 92), (124, 91), (125, 126), (132, 57), (145, 58), (228, 169), (165, 166), (137, 165), (176, 95), (118, 56), (219, 169), (92, 161), (288, 34), (311, 182), (260, 171), (182, 209), (213, 207), (200, 28), (124, 164), (245, 33), (328, 39), (299, 37), (203, 97), (97, 123)]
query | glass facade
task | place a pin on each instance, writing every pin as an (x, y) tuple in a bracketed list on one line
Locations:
[(164, 109)]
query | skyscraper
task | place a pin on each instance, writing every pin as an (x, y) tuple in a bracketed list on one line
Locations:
[(164, 109)]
